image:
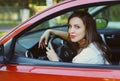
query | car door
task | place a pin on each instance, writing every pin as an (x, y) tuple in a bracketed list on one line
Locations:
[(21, 64)]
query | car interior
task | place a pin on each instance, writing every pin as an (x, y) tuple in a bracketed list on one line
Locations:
[(27, 45)]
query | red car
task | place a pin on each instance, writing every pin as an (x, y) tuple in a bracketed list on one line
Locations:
[(19, 53)]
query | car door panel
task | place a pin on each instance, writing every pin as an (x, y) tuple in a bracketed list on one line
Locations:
[(47, 73)]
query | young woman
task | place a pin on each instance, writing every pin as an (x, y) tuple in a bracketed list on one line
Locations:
[(84, 37)]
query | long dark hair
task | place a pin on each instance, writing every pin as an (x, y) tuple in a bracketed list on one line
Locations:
[(92, 36)]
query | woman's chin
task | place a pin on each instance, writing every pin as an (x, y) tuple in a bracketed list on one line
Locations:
[(74, 40)]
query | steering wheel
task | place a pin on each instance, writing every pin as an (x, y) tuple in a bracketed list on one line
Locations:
[(61, 47)]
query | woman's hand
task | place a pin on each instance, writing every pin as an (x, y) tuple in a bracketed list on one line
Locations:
[(52, 56), (44, 39)]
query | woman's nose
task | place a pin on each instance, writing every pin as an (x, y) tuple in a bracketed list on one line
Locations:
[(72, 29)]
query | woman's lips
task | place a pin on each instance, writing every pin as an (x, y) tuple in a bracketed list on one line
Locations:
[(72, 36)]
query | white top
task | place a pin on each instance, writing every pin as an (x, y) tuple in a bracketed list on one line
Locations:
[(90, 55)]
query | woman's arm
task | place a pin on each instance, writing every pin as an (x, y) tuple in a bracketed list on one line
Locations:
[(61, 34), (44, 38)]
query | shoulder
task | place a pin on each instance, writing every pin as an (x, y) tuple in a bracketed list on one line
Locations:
[(89, 55), (91, 50)]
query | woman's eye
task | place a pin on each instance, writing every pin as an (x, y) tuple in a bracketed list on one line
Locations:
[(77, 27)]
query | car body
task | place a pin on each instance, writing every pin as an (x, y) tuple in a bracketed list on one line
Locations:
[(17, 61)]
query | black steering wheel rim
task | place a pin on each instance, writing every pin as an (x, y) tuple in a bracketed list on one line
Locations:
[(62, 49)]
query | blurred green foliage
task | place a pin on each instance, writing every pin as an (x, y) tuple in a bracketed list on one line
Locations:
[(21, 3), (111, 14), (2, 33)]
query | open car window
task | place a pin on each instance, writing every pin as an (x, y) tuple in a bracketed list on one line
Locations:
[(111, 14), (26, 45)]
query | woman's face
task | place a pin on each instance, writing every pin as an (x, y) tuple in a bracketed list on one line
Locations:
[(76, 29)]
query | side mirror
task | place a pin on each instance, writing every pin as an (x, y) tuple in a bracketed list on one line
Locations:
[(101, 23), (1, 49)]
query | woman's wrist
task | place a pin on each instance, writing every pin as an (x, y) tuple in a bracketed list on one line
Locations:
[(59, 60), (50, 31)]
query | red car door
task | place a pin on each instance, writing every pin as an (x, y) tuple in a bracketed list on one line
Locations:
[(29, 69), (48, 73)]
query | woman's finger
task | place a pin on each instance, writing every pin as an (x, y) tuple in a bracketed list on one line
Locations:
[(46, 41), (51, 47), (47, 49), (40, 43)]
